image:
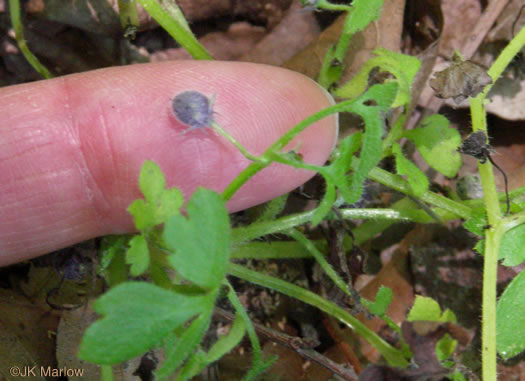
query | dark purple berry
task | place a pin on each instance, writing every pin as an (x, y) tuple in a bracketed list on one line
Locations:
[(193, 109)]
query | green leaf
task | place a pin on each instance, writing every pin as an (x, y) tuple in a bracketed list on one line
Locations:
[(477, 222), (138, 255), (329, 73), (438, 144), (424, 308), (202, 242), (380, 305), (259, 364), (168, 205), (136, 316), (151, 181), (326, 204), (336, 171), (143, 214), (512, 247), (159, 204), (321, 260), (445, 347), (415, 177), (363, 13), (480, 246), (273, 208), (226, 343), (113, 266), (403, 67), (184, 346), (111, 246), (457, 376), (334, 175), (199, 359), (510, 318), (448, 316), (428, 309), (372, 107)]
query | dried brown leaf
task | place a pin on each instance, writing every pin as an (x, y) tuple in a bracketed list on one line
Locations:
[(461, 80)]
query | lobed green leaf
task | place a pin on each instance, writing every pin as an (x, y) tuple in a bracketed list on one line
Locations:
[(201, 242), (159, 204), (363, 13), (427, 309), (438, 144), (138, 255), (445, 347), (136, 316), (335, 175), (381, 303), (151, 181), (415, 177), (372, 107), (403, 67)]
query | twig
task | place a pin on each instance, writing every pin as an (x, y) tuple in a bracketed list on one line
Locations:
[(296, 344), (483, 26), (334, 332)]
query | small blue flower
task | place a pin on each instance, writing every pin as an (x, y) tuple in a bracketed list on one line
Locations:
[(193, 109)]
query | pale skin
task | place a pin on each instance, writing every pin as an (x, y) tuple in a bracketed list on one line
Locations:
[(71, 148)]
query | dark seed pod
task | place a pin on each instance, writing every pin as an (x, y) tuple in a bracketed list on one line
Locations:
[(476, 145), (193, 109)]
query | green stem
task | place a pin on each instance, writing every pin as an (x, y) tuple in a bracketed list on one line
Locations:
[(395, 182), (128, 13), (266, 157), (321, 260), (172, 20), (14, 12), (364, 232), (330, 73), (273, 250), (391, 354), (323, 4), (259, 229), (238, 145), (344, 40), (106, 373), (250, 329), (493, 235), (488, 320), (346, 36)]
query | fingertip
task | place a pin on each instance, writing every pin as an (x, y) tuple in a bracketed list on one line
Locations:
[(71, 164)]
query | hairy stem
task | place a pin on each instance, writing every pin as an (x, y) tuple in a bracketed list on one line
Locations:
[(494, 233), (391, 354), (14, 13), (172, 20)]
